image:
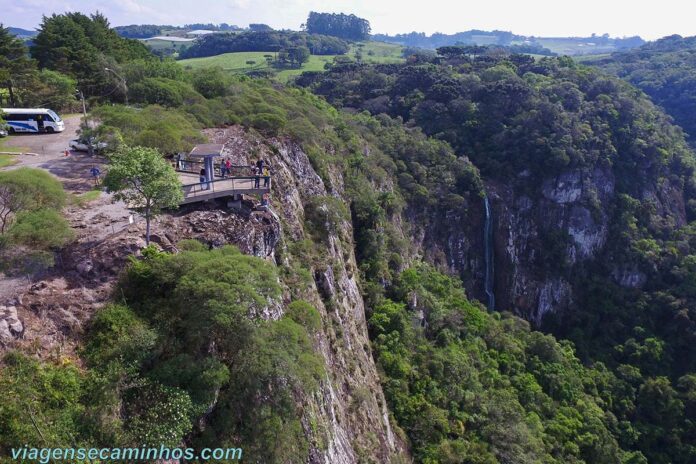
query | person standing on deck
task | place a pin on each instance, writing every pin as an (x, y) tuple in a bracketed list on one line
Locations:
[(266, 176), (223, 169), (204, 186), (228, 167), (179, 164)]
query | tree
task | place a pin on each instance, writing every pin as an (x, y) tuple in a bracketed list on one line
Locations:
[(338, 25), (144, 180), (298, 55), (82, 47), (16, 68), (53, 90)]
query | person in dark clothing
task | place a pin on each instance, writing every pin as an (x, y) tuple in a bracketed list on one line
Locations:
[(202, 179), (95, 175), (259, 166), (257, 178)]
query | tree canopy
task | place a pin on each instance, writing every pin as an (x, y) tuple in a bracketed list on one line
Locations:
[(143, 179), (82, 47), (264, 41), (348, 27)]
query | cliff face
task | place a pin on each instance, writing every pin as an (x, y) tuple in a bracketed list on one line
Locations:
[(346, 419), (350, 409), (548, 232)]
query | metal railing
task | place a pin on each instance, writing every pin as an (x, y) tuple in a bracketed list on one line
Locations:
[(194, 167), (228, 185)]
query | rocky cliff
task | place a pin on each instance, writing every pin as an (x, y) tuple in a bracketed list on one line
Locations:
[(549, 232), (346, 420), (354, 424)]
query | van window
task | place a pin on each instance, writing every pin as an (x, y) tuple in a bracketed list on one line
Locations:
[(53, 115)]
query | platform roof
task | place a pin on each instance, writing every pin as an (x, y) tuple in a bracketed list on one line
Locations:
[(207, 149)]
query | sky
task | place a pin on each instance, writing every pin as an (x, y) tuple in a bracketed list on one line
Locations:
[(546, 18)]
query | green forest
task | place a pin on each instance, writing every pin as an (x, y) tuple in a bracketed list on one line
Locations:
[(613, 380)]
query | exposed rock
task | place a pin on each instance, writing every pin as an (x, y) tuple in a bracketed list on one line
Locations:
[(553, 293), (10, 325), (589, 236), (85, 267), (325, 283), (566, 188), (5, 334), (629, 277)]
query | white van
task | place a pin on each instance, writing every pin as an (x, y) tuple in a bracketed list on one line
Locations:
[(32, 120)]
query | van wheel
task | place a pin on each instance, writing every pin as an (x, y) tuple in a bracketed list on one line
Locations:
[(49, 130)]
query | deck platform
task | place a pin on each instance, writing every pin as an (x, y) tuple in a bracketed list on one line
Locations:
[(224, 187)]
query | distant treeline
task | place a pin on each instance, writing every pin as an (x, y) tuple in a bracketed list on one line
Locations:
[(348, 27), (265, 41), (451, 51), (143, 31), (479, 37), (472, 37)]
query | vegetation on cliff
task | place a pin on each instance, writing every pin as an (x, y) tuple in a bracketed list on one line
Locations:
[(666, 71), (521, 121), (183, 355)]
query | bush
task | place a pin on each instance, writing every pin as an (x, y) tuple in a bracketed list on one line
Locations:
[(28, 188), (325, 215), (168, 130), (210, 82), (41, 229), (163, 91), (304, 314), (268, 121)]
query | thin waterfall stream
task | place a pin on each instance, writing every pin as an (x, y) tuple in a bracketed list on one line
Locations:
[(488, 250)]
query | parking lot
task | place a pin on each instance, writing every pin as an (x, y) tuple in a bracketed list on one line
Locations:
[(47, 151), (47, 145)]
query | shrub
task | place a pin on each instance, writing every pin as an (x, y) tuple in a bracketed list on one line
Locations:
[(41, 229), (304, 314), (27, 189), (268, 121), (163, 91), (210, 82), (325, 215)]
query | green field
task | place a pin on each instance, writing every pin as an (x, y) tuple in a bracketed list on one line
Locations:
[(571, 46), (372, 52), (585, 58), (161, 44)]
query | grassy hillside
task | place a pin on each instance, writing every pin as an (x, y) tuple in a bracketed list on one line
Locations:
[(161, 44), (372, 52)]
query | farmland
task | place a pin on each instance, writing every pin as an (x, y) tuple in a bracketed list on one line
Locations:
[(240, 62)]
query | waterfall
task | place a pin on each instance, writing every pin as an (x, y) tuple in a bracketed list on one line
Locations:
[(488, 250)]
